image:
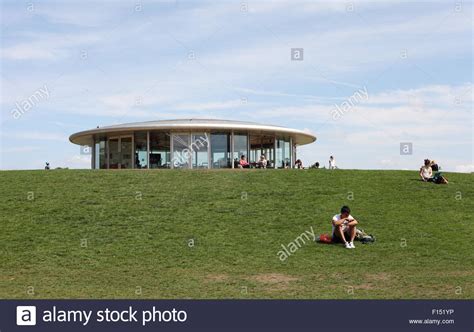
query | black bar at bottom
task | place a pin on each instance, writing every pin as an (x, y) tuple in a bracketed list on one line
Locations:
[(236, 315)]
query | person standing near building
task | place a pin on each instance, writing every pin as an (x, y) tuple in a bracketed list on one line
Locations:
[(332, 163)]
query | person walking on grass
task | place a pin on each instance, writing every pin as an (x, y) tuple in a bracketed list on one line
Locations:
[(344, 228)]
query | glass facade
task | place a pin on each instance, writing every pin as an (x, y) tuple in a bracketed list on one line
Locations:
[(114, 153), (100, 156), (220, 150), (120, 152), (262, 145), (181, 151), (141, 150), (240, 147), (283, 153), (159, 150), (200, 150), (197, 150), (268, 150), (126, 149), (255, 148)]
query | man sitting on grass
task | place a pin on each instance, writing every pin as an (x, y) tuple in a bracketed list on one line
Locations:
[(344, 227)]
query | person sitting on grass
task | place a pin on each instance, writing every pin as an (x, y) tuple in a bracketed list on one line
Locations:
[(344, 227), (426, 173), (243, 163), (299, 164), (262, 163), (434, 166)]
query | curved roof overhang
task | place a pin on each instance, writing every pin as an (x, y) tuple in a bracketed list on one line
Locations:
[(87, 137)]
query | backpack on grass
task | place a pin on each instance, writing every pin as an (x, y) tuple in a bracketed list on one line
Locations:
[(363, 237), (325, 238)]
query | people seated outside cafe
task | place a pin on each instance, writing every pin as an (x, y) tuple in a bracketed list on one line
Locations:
[(262, 163), (243, 163), (298, 164), (426, 173)]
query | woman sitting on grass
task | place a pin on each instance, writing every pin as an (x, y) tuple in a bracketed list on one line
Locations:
[(426, 173), (243, 163)]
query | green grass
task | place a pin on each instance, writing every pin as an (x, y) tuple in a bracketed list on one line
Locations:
[(138, 225)]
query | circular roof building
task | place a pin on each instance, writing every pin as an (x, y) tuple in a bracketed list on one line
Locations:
[(192, 143)]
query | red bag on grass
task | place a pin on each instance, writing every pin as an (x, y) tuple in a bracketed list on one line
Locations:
[(325, 238)]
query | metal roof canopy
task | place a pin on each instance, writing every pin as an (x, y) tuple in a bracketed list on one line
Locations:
[(86, 137)]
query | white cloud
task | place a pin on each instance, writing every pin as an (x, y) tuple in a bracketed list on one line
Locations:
[(465, 168), (20, 149), (76, 162), (48, 46), (35, 136), (28, 52), (132, 99), (368, 49), (236, 103), (271, 93)]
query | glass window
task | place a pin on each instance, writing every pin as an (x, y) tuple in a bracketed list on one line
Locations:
[(114, 153), (287, 153), (283, 153), (100, 155), (262, 146), (255, 148), (181, 151), (240, 147), (141, 160), (200, 150), (220, 150), (126, 151), (268, 150), (159, 150)]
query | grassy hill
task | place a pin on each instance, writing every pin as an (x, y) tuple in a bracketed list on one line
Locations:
[(217, 234)]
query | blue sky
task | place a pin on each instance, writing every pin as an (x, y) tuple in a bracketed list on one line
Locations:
[(111, 62)]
